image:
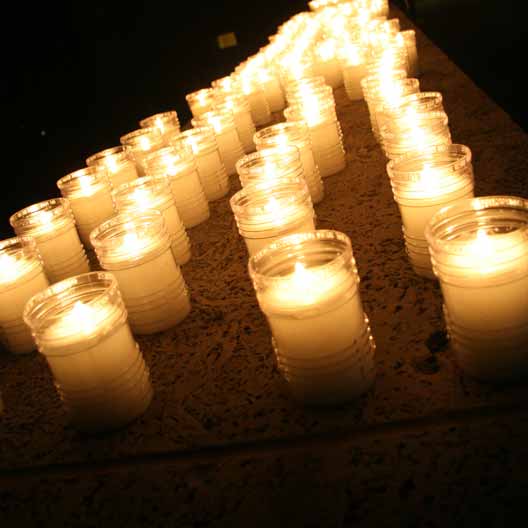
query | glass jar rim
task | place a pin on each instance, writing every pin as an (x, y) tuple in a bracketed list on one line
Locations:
[(110, 152), (95, 174), (57, 207), (266, 136), (280, 155), (132, 138), (199, 94), (168, 115), (158, 187)]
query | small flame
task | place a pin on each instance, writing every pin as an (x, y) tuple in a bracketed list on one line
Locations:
[(142, 198), (10, 268), (144, 143)]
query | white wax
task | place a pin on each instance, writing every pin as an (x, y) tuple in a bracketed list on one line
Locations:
[(328, 148), (154, 293), (260, 111), (246, 129), (213, 175), (122, 173), (189, 197), (62, 253), (274, 95), (270, 233), (352, 76), (230, 148), (18, 283), (331, 71), (91, 210)]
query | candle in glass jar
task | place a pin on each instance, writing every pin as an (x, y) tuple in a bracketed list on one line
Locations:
[(479, 250), (201, 101), (90, 197), (21, 276), (139, 143), (307, 286), (52, 225), (135, 247), (166, 122), (80, 326), (265, 211), (119, 167)]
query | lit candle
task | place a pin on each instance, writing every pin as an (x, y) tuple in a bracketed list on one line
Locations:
[(119, 167), (422, 184), (479, 250), (213, 175), (179, 167), (409, 38), (90, 196), (326, 63), (227, 137), (155, 193), (353, 66), (265, 211), (21, 277), (239, 107), (80, 326), (139, 143), (201, 101), (136, 248), (166, 122), (307, 286), (52, 225), (297, 134)]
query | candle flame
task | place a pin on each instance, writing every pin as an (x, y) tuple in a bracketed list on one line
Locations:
[(160, 124), (482, 246), (10, 268), (144, 143), (85, 183), (111, 164), (142, 198), (81, 318)]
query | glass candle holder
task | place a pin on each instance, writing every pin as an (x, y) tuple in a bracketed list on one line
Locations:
[(265, 211), (479, 251), (326, 62), (201, 101), (90, 196), (119, 167), (415, 135), (213, 175), (239, 107), (409, 39), (179, 167), (52, 226), (297, 134), (166, 122), (326, 136), (299, 88), (227, 137), (373, 84), (140, 143), (136, 247), (307, 286), (258, 104), (21, 276), (80, 326), (271, 86), (423, 183), (352, 62), (155, 193), (389, 96)]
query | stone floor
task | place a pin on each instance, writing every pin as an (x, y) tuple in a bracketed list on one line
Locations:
[(223, 443)]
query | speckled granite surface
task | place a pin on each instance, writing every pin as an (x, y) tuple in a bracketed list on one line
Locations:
[(221, 412)]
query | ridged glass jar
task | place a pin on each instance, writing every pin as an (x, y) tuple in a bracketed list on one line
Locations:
[(479, 251), (136, 247), (227, 138), (80, 326), (416, 134), (138, 144), (297, 134), (209, 164), (409, 39), (155, 193), (201, 101), (52, 226), (89, 194), (307, 286), (21, 276), (166, 122), (270, 210), (179, 167), (239, 107), (120, 168), (423, 183)]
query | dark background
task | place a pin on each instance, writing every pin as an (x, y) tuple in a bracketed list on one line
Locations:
[(76, 76)]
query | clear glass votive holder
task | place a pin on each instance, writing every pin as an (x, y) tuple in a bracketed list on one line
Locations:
[(136, 247), (409, 39), (227, 138), (179, 167), (155, 193), (258, 104), (21, 276), (354, 70), (201, 101), (479, 252), (298, 88), (120, 168), (166, 122), (238, 105), (423, 183), (209, 164), (52, 225), (307, 287), (373, 84), (89, 194), (138, 144), (415, 134), (80, 325), (266, 211), (297, 134)]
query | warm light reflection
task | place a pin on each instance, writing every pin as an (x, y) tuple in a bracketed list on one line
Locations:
[(10, 268)]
